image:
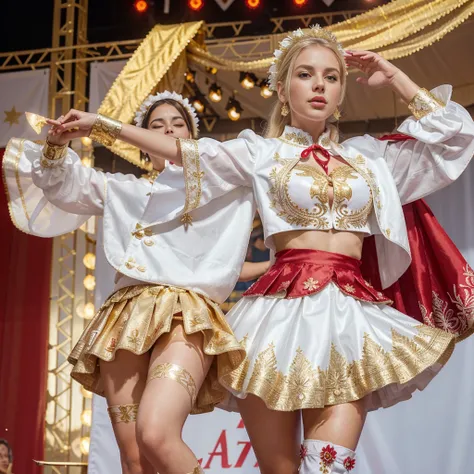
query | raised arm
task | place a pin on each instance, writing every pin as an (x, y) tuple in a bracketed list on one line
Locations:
[(442, 133), (105, 130)]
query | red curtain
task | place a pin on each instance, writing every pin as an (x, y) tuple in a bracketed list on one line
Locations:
[(24, 314)]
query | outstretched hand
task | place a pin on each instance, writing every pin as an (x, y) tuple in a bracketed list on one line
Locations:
[(378, 71), (75, 124)]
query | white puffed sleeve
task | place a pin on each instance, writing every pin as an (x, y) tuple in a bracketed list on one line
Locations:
[(442, 147), (49, 198), (213, 168)]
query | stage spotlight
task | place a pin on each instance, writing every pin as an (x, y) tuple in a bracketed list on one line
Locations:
[(195, 5), (215, 93), (198, 104), (87, 162), (300, 3), (234, 109), (211, 70), (89, 282), (265, 91), (89, 261), (86, 393), (252, 4), (86, 417), (141, 6), (85, 445), (247, 80), (89, 311), (190, 76)]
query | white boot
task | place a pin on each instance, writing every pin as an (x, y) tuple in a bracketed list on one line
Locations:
[(322, 457)]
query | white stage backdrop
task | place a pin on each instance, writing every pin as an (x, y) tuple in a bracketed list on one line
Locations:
[(431, 433)]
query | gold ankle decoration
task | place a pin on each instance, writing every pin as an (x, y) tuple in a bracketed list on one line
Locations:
[(178, 374), (197, 470), (123, 413), (105, 130), (424, 103)]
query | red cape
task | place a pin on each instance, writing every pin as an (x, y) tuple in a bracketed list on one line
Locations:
[(438, 287)]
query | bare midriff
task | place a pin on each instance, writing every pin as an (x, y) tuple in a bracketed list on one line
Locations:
[(343, 242)]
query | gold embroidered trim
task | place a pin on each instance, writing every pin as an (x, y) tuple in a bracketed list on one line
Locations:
[(52, 152), (178, 374), (17, 178), (283, 204), (345, 218), (123, 413), (192, 177), (295, 138), (343, 381), (424, 103), (11, 163), (105, 130), (294, 214), (461, 323)]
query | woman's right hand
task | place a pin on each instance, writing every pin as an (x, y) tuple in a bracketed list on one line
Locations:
[(75, 124)]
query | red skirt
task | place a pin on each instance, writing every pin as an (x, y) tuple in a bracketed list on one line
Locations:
[(302, 272)]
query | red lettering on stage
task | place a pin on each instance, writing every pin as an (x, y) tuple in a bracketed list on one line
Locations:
[(223, 453), (243, 455)]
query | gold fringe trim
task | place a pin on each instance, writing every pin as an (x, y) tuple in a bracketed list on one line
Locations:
[(134, 318), (343, 381)]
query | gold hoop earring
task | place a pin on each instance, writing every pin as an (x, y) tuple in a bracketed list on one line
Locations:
[(337, 114), (285, 110)]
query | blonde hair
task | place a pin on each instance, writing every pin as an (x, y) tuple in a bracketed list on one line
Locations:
[(277, 122)]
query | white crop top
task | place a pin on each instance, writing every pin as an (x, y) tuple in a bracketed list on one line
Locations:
[(303, 195), (376, 178)]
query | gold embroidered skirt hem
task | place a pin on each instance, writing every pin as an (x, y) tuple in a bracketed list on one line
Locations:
[(329, 348), (135, 317)]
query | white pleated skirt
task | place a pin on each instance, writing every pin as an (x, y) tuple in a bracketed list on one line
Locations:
[(329, 348)]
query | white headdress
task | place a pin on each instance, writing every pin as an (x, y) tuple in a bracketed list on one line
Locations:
[(314, 31), (151, 99)]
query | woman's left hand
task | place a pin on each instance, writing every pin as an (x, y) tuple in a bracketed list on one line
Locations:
[(378, 71)]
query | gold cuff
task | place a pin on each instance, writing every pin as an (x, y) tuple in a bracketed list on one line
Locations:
[(123, 413), (105, 130), (54, 152), (424, 103)]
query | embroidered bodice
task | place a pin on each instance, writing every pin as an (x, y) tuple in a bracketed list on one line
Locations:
[(303, 195)]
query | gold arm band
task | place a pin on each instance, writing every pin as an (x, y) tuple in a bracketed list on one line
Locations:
[(54, 152), (424, 103), (123, 413), (105, 130), (178, 374)]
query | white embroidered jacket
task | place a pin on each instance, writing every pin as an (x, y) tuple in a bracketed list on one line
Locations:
[(396, 172), (50, 198)]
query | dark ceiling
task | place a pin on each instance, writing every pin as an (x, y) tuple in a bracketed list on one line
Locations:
[(111, 20)]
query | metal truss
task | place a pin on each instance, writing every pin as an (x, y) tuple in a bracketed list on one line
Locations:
[(66, 435), (65, 53), (324, 19)]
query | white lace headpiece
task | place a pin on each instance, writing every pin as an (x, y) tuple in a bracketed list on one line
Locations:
[(314, 31), (151, 99)]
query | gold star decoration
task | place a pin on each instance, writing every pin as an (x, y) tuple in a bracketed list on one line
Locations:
[(12, 116)]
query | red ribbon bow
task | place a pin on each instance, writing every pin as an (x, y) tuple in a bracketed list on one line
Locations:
[(324, 163)]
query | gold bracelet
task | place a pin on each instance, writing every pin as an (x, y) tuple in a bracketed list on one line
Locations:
[(424, 103), (54, 152), (105, 130)]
